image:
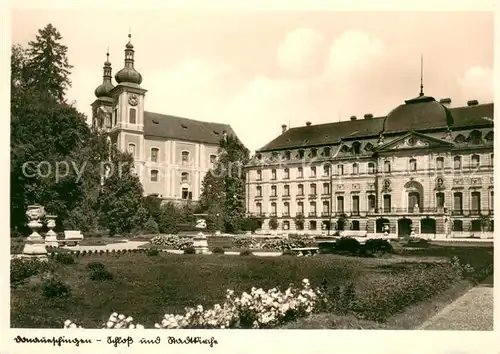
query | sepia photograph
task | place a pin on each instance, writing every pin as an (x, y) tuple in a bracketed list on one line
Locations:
[(251, 170)]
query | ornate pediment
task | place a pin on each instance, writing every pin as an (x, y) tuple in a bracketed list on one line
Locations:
[(413, 140)]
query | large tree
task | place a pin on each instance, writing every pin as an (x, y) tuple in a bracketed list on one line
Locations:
[(223, 188), (48, 60)]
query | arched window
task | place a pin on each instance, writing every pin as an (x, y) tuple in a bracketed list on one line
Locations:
[(286, 173), (213, 160), (355, 168), (475, 137), (154, 175), (259, 191), (439, 163), (371, 168), (474, 161), (185, 157), (273, 174), (460, 139), (184, 177), (274, 192), (286, 209), (131, 149), (356, 148), (154, 154), (300, 189)]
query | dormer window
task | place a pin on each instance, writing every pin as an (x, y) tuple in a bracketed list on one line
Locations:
[(326, 152), (314, 153), (474, 161), (287, 155), (301, 154), (369, 147), (356, 148)]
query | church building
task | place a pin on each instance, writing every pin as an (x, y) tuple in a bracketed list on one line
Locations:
[(172, 154)]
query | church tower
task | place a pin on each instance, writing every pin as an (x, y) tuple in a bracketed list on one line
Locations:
[(128, 110), (102, 107)]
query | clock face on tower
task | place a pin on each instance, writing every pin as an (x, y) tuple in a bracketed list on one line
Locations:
[(133, 100)]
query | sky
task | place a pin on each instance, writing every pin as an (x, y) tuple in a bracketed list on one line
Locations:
[(257, 70)]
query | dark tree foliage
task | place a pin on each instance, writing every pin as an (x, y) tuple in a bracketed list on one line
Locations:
[(223, 188)]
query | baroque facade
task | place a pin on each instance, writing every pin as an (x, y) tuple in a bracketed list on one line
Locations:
[(171, 154), (425, 168)]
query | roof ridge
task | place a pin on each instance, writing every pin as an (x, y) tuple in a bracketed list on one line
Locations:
[(184, 118)]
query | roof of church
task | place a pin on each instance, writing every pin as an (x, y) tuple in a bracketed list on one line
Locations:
[(178, 128), (333, 133)]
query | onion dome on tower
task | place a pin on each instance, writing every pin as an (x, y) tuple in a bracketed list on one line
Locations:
[(128, 74), (104, 89)]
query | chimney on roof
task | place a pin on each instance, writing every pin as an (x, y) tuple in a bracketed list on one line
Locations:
[(353, 118), (283, 128), (368, 116), (445, 101), (472, 103), (308, 123)]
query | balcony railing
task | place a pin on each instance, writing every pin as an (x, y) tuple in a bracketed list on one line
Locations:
[(286, 214), (312, 213), (325, 213), (273, 214), (299, 213), (312, 195)]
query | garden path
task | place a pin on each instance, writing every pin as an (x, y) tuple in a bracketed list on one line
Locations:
[(473, 311)]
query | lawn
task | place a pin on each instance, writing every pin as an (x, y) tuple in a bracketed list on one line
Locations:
[(146, 287)]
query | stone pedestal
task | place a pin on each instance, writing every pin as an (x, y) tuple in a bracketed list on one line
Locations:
[(35, 244), (412, 231), (200, 244), (51, 236)]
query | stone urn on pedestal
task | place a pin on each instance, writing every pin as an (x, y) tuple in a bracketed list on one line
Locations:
[(200, 242), (35, 244), (51, 236), (412, 231)]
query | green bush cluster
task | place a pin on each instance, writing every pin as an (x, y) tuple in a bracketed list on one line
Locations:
[(218, 250), (350, 246), (246, 253), (55, 288), (64, 258), (189, 250), (21, 269), (99, 272)]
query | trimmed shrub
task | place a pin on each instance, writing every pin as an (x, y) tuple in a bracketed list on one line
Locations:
[(377, 247), (189, 250), (151, 226), (287, 253), (95, 266), (246, 253), (152, 252), (55, 288), (218, 250), (347, 245), (326, 247), (101, 274), (417, 242), (64, 258)]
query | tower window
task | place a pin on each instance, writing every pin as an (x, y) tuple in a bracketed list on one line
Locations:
[(184, 177), (131, 149), (185, 157), (131, 116)]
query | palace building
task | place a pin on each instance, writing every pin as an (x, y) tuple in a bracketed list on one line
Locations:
[(426, 167), (172, 154)]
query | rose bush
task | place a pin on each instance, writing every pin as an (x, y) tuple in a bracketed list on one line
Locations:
[(257, 309), (172, 242)]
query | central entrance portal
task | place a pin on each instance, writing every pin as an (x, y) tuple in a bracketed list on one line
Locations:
[(404, 227)]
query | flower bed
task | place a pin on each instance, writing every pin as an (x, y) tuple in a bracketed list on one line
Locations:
[(280, 244), (259, 309), (172, 242)]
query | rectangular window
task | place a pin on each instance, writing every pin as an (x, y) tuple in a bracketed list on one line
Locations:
[(185, 193), (326, 207), (300, 208), (440, 163), (326, 188), (340, 170), (371, 202), (313, 171), (475, 202), (300, 189), (273, 191), (340, 204), (131, 149), (440, 200), (258, 208), (273, 209), (355, 169), (355, 204), (259, 175), (457, 162), (259, 191), (273, 174), (326, 170), (387, 167), (131, 116), (286, 190), (286, 173), (286, 209), (300, 172), (154, 176), (313, 189), (457, 202), (312, 208), (387, 203)]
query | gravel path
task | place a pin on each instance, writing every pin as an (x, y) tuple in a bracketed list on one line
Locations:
[(473, 311)]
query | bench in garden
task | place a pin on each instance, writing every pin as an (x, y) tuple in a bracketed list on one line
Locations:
[(305, 251), (72, 238)]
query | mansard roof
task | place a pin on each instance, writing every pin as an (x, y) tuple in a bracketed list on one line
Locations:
[(458, 118)]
